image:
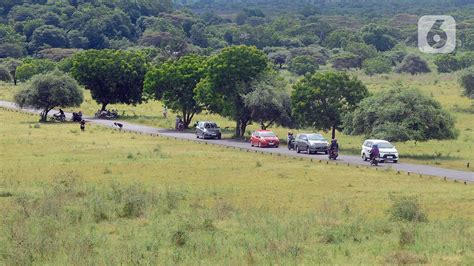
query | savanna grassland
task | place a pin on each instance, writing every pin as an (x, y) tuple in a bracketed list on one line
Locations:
[(104, 197), (455, 154)]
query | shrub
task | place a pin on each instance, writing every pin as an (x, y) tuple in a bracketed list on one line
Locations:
[(179, 238), (5, 74), (467, 82), (34, 67), (377, 65), (447, 63), (345, 61), (413, 64), (407, 209), (407, 237), (301, 65)]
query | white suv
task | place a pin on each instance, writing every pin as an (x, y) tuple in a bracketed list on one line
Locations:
[(387, 150)]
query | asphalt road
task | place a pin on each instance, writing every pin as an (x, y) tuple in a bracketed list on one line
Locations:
[(343, 159)]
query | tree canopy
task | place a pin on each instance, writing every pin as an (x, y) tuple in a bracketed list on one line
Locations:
[(111, 76), (48, 91), (321, 100), (228, 77), (401, 114), (174, 83)]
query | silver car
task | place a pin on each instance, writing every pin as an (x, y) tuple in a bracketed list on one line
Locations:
[(311, 143), (208, 129)]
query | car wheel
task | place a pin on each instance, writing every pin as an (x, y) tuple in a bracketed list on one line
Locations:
[(297, 149), (308, 151), (326, 152), (251, 143), (364, 157)]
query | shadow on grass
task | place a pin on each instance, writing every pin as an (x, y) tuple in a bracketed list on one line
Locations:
[(435, 156)]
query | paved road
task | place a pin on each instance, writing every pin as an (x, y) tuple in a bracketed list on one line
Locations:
[(354, 160)]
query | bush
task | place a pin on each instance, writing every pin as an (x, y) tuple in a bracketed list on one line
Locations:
[(447, 63), (467, 82), (33, 67), (345, 61), (407, 209), (413, 64), (301, 65), (5, 74), (377, 65)]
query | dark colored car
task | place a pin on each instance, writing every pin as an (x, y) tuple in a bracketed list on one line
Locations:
[(264, 138), (208, 129), (311, 143)]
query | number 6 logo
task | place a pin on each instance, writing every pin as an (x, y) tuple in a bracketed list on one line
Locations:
[(437, 34)]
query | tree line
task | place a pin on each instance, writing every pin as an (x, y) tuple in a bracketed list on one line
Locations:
[(239, 83)]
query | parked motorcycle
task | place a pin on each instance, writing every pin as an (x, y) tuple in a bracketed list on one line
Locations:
[(76, 117), (109, 115), (59, 117)]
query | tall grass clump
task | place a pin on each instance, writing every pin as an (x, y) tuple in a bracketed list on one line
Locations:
[(407, 209)]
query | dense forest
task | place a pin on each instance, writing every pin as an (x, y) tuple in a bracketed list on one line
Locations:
[(347, 32)]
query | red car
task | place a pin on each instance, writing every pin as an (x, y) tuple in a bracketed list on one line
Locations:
[(264, 138)]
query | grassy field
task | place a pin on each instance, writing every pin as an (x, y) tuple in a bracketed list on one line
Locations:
[(104, 197), (455, 154)]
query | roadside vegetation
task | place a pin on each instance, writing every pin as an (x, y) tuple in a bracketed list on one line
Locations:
[(102, 196)]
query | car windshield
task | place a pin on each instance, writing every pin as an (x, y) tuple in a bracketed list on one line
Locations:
[(210, 125), (267, 134), (385, 145), (316, 137)]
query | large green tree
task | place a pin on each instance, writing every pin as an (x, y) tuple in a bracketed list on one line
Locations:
[(47, 91), (269, 101), (401, 114), (174, 82), (228, 76), (321, 100), (111, 76)]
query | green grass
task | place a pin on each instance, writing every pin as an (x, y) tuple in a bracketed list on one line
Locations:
[(455, 154), (104, 197)]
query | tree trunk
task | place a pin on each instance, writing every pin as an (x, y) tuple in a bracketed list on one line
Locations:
[(237, 129), (333, 132), (104, 105), (44, 115), (14, 80), (187, 118)]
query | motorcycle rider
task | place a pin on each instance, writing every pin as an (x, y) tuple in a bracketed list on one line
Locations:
[(291, 139), (334, 145), (374, 152)]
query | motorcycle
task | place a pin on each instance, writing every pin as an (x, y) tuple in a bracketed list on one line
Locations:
[(291, 143), (333, 154), (59, 118), (109, 115), (76, 117), (374, 160), (180, 126)]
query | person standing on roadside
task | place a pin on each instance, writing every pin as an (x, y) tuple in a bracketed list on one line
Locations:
[(165, 111), (83, 125)]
